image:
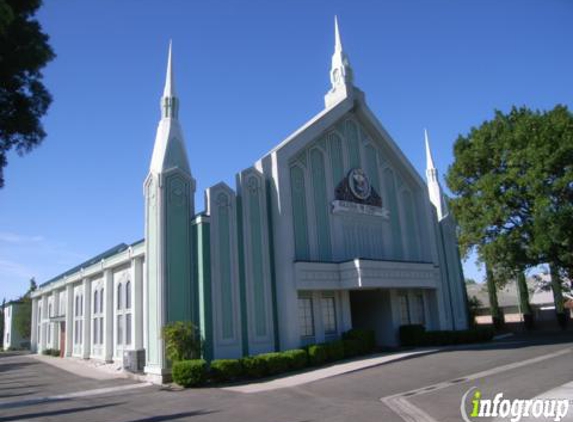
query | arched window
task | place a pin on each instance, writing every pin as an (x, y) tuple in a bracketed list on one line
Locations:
[(77, 308), (119, 296), (101, 300), (96, 302), (128, 295)]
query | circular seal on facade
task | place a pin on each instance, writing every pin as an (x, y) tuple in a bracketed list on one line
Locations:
[(359, 184)]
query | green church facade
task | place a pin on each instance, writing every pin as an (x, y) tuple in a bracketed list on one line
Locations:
[(332, 229)]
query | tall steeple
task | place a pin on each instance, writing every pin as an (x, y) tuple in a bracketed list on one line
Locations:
[(169, 101), (169, 150), (170, 204), (341, 75), (434, 188)]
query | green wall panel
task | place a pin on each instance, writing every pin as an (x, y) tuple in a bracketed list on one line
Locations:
[(372, 167), (390, 186), (242, 275), (352, 144), (255, 220), (177, 249), (322, 217), (413, 244), (336, 160), (225, 266), (298, 193)]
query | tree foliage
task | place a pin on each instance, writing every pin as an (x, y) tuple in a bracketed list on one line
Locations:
[(24, 51), (513, 184), (182, 341)]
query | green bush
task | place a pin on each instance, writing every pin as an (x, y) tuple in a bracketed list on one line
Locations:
[(367, 338), (56, 352), (275, 363), (182, 341), (411, 335), (47, 352), (317, 354), (334, 350), (296, 358), (189, 373), (226, 369), (254, 366), (352, 347)]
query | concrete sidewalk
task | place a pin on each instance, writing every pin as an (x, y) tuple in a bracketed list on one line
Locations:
[(84, 367), (322, 373)]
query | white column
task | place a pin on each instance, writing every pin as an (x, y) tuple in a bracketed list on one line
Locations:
[(108, 319), (69, 319), (34, 328), (45, 326), (137, 311), (87, 344)]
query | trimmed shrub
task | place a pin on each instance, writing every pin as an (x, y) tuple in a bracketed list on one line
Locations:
[(189, 373), (334, 350), (352, 347), (182, 341), (367, 338), (276, 362), (296, 358), (47, 352), (254, 366), (412, 335), (226, 369), (56, 353), (317, 354)]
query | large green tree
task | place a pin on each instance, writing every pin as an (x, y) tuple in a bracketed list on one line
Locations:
[(513, 184), (24, 51)]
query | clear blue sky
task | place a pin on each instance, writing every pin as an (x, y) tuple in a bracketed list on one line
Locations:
[(248, 73)]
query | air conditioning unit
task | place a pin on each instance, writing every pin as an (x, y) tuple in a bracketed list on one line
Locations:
[(134, 360)]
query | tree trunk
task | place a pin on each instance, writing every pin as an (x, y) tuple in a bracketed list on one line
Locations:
[(558, 296), (524, 304), (496, 313)]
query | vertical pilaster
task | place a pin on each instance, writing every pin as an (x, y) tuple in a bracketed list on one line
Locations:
[(34, 328), (137, 277), (44, 330), (108, 319), (69, 319), (87, 319)]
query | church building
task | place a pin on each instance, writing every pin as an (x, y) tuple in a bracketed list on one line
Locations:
[(332, 229)]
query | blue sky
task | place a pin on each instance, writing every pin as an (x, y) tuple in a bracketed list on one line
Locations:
[(248, 73)]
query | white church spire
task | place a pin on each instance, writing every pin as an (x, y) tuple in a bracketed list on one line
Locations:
[(169, 100), (169, 150), (341, 75), (434, 188)]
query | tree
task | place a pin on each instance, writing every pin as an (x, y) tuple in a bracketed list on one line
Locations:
[(470, 281), (513, 184), (23, 318), (24, 51), (2, 308)]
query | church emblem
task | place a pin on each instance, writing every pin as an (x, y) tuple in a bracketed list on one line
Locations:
[(354, 194), (359, 184)]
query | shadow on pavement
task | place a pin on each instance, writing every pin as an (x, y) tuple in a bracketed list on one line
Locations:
[(173, 416), (48, 413)]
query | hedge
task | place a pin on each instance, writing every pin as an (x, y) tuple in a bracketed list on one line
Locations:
[(189, 373), (416, 335), (296, 358), (275, 363), (226, 369), (254, 367), (51, 352), (317, 354)]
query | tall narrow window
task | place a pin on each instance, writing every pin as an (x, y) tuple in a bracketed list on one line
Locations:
[(119, 296), (306, 320), (120, 329), (328, 315), (128, 295), (96, 302), (419, 309), (101, 300), (404, 309)]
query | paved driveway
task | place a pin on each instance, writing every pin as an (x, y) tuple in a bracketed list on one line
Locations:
[(32, 390)]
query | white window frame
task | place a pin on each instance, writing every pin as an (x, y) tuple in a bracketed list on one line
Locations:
[(78, 317), (98, 315), (123, 315), (328, 315), (306, 317)]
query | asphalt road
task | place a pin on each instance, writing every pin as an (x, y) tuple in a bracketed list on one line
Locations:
[(520, 367)]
